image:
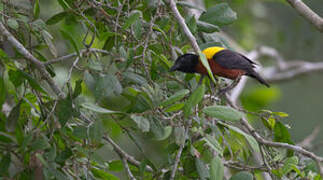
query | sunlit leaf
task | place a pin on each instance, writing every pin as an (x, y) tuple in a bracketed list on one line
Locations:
[(36, 9), (101, 174)]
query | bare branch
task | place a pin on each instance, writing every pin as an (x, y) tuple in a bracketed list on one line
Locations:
[(182, 23), (39, 65), (307, 142), (178, 157), (307, 13), (126, 166)]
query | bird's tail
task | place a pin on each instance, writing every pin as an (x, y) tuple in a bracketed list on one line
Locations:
[(255, 75)]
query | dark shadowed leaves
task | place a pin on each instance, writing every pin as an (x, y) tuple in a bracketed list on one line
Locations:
[(64, 110), (56, 18)]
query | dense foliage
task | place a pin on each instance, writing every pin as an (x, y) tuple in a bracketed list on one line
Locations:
[(124, 114)]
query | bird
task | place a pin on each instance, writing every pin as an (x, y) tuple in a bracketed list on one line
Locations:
[(223, 62)]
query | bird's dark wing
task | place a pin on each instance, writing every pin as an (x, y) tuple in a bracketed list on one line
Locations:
[(233, 60)]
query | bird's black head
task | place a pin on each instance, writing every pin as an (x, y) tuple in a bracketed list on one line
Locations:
[(186, 63)]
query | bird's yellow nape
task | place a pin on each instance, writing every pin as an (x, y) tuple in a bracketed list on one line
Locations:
[(210, 51)]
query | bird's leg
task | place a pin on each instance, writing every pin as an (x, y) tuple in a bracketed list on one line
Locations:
[(230, 87)]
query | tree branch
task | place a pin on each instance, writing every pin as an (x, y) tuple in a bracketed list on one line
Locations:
[(39, 65), (307, 13), (183, 25)]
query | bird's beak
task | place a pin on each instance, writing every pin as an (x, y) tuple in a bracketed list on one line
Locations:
[(173, 68)]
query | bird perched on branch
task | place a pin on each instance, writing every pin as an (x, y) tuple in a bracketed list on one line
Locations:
[(223, 62)]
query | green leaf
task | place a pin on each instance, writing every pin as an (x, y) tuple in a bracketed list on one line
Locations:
[(289, 164), (106, 86), (180, 135), (70, 38), (243, 175), (96, 130), (56, 18), (194, 99), (280, 114), (175, 97), (40, 143), (281, 133), (116, 165), (4, 164), (3, 91), (13, 118), (175, 107), (251, 140), (137, 29), (101, 174), (201, 169), (134, 16), (220, 14), (213, 143), (64, 110), (77, 89), (216, 169), (98, 109), (63, 4), (189, 5), (12, 23), (133, 77), (48, 40), (205, 63), (166, 132), (223, 113), (207, 27), (36, 9), (141, 122)]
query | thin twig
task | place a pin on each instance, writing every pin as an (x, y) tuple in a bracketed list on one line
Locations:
[(126, 166), (307, 13), (182, 23), (82, 52), (178, 157)]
